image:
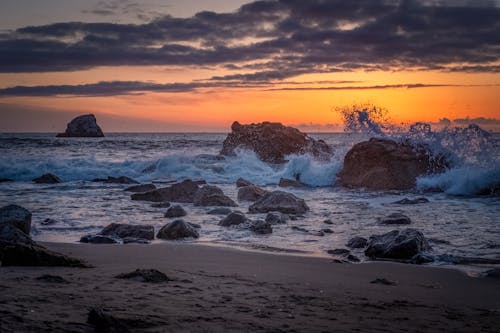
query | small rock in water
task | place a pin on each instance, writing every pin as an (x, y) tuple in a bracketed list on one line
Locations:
[(234, 218), (383, 281), (357, 242), (51, 278), (98, 239), (48, 222), (300, 229), (328, 221), (242, 182), (327, 231), (47, 178), (276, 218), (397, 244), (105, 323), (284, 182), (145, 275), (141, 188), (176, 230), (210, 195), (395, 218), (250, 193), (261, 227), (281, 202), (161, 205), (220, 211), (407, 201), (175, 211), (339, 252)]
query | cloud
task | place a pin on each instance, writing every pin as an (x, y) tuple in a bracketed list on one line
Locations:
[(288, 37)]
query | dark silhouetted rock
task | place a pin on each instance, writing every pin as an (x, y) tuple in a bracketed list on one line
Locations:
[(141, 188), (145, 275), (407, 201), (5, 180), (250, 193), (234, 218), (16, 216), (180, 192), (48, 222), (404, 244), (98, 239), (261, 227), (328, 221), (176, 230), (105, 323), (210, 195), (242, 182), (276, 218), (273, 141), (52, 279), (83, 126), (118, 230), (175, 211), (387, 165), (116, 180), (357, 242), (220, 211), (161, 205), (47, 178), (284, 182), (395, 218), (281, 202)]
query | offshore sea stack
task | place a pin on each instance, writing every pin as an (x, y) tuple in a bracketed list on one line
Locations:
[(273, 141), (82, 127), (382, 164)]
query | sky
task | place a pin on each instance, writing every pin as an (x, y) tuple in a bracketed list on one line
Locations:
[(181, 66)]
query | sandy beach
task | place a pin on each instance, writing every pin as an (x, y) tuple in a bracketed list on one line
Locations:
[(214, 289)]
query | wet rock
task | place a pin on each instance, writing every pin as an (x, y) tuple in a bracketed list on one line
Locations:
[(210, 195), (290, 183), (395, 218), (141, 188), (133, 240), (175, 211), (47, 178), (116, 180), (281, 202), (161, 205), (219, 211), (397, 244), (250, 193), (276, 218), (105, 323), (17, 216), (407, 201), (326, 231), (261, 227), (422, 258), (234, 218), (328, 221), (145, 275), (357, 242), (383, 281), (48, 221), (383, 164), (195, 225), (83, 126), (273, 141), (52, 279), (341, 252), (242, 182), (300, 229), (343, 255), (118, 230), (176, 230), (98, 239), (180, 192)]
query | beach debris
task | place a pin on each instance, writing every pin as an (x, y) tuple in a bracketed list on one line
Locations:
[(17, 216), (384, 164), (180, 192), (276, 218), (273, 141), (357, 242), (407, 201), (240, 182), (261, 227), (105, 323), (116, 180), (280, 201), (210, 195), (47, 178), (177, 229), (220, 211), (251, 193), (284, 182), (175, 211), (52, 278), (82, 126), (383, 281), (397, 244), (141, 188), (395, 218), (234, 218), (145, 275)]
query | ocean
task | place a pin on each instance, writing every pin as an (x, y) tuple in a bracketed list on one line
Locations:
[(456, 222)]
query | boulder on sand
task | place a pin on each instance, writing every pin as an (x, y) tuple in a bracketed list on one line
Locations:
[(279, 201), (210, 195), (83, 126), (176, 230), (250, 193), (383, 164), (129, 231), (273, 141), (17, 216), (47, 178), (403, 245), (179, 192), (234, 218)]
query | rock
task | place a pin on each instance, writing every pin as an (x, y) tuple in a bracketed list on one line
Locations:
[(5, 180), (47, 178), (48, 222), (98, 239), (328, 221), (180, 192), (383, 281), (220, 211), (261, 227), (327, 231), (491, 189), (395, 218), (195, 225), (250, 193), (161, 205), (396, 244), (83, 126), (176, 230), (276, 218), (290, 183), (383, 164), (210, 195), (273, 141), (279, 201), (422, 258), (52, 279), (234, 218), (141, 188), (145, 275), (357, 242), (341, 252), (343, 255), (300, 229), (130, 240), (16, 216), (242, 182), (105, 323), (175, 211), (116, 180), (118, 230), (407, 201)]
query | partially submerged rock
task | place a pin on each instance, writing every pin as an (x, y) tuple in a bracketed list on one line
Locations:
[(250, 193), (175, 211), (145, 275), (261, 227), (281, 202), (210, 195), (47, 178), (179, 192), (404, 244), (357, 242), (395, 218), (383, 164), (83, 126), (98, 239), (176, 230), (276, 218), (17, 216), (234, 218), (240, 182), (141, 188), (273, 141), (119, 230)]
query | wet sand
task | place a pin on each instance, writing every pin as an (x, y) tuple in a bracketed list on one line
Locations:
[(217, 289)]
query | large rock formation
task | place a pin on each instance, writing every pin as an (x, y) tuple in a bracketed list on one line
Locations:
[(279, 201), (16, 216), (83, 126), (404, 244), (273, 141), (387, 165)]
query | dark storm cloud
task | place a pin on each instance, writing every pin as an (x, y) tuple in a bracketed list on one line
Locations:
[(287, 37)]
